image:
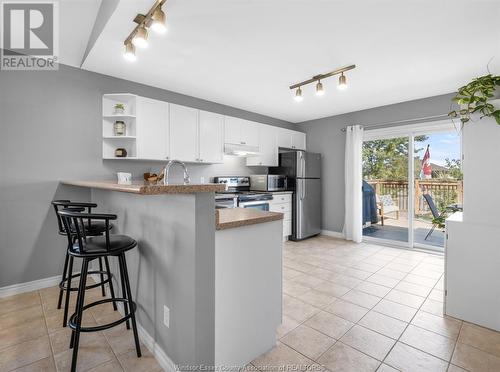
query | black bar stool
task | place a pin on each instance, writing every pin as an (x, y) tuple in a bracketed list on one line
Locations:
[(88, 249), (92, 228)]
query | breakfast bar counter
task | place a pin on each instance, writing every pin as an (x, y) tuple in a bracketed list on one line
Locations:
[(207, 282), (145, 188), (228, 218)]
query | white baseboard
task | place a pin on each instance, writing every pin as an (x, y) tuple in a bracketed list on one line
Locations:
[(161, 357), (29, 286), (333, 234)]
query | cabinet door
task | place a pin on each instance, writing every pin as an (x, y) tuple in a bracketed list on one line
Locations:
[(250, 133), (232, 130), (298, 140), (152, 129), (211, 134), (268, 148), (183, 133), (284, 138)]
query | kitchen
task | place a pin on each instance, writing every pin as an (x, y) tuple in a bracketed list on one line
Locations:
[(177, 191)]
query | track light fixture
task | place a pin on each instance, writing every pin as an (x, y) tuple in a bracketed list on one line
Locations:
[(129, 54), (298, 95), (141, 37), (320, 90), (342, 82), (154, 19), (159, 21)]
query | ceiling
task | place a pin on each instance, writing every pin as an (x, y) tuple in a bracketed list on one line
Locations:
[(245, 53), (76, 21)]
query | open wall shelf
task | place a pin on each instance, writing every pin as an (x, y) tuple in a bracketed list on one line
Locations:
[(111, 142)]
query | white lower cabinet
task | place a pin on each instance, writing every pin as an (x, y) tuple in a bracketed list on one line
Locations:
[(282, 203)]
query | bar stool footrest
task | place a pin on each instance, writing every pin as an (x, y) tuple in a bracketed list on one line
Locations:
[(132, 309), (62, 284)]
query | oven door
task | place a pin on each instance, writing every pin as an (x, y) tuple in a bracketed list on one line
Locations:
[(263, 205)]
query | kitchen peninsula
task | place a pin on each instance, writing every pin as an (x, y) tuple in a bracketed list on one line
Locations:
[(207, 283)]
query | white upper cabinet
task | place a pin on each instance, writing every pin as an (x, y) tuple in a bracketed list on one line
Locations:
[(157, 130), (183, 133), (298, 140), (241, 132), (211, 137), (291, 139), (232, 130), (268, 148), (152, 129), (250, 133), (284, 138)]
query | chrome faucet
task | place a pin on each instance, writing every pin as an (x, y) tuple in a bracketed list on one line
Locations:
[(167, 171)]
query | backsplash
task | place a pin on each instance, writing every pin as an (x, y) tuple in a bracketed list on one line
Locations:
[(199, 173)]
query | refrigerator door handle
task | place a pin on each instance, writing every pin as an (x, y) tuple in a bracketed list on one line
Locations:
[(302, 165), (303, 189)]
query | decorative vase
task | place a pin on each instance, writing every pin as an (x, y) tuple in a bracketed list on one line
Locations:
[(121, 153), (119, 111), (119, 128)]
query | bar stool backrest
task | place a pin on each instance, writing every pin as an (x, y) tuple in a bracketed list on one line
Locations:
[(73, 221), (74, 206)]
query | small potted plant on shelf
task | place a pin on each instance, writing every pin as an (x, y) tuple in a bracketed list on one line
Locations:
[(119, 109), (476, 97)]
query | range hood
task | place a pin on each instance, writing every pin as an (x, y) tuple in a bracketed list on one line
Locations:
[(234, 149)]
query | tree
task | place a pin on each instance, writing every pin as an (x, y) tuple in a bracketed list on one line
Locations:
[(388, 158)]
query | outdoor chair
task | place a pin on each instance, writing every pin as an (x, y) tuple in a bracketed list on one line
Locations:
[(434, 211), (385, 206)]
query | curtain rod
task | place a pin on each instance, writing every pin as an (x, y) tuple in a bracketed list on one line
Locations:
[(393, 123)]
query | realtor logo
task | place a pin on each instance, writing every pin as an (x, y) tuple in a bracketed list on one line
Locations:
[(29, 35)]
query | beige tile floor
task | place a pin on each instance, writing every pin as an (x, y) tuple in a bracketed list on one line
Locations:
[(32, 338), (363, 307), (347, 307)]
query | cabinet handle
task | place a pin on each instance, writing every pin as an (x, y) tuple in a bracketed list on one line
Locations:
[(243, 143), (167, 157)]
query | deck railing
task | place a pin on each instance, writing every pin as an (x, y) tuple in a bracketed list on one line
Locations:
[(444, 192)]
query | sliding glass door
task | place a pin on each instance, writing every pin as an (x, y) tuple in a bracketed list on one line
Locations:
[(412, 180), (385, 188)]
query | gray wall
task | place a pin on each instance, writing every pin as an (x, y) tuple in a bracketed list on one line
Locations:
[(50, 129), (325, 136)]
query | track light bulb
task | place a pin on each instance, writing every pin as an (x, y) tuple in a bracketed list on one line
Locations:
[(319, 89), (141, 37), (129, 53), (342, 82), (159, 24), (298, 95)]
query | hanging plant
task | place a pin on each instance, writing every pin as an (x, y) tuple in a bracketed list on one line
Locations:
[(475, 97)]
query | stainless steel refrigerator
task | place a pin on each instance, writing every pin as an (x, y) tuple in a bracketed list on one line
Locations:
[(303, 170)]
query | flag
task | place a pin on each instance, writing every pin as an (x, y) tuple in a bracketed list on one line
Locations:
[(426, 170)]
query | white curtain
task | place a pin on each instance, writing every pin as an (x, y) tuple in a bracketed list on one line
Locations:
[(353, 229)]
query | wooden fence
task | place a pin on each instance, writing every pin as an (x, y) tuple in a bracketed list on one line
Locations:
[(444, 192)]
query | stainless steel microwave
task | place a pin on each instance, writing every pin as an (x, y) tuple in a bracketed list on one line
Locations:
[(268, 182)]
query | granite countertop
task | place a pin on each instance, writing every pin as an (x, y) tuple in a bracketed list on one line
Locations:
[(144, 188), (228, 218)]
